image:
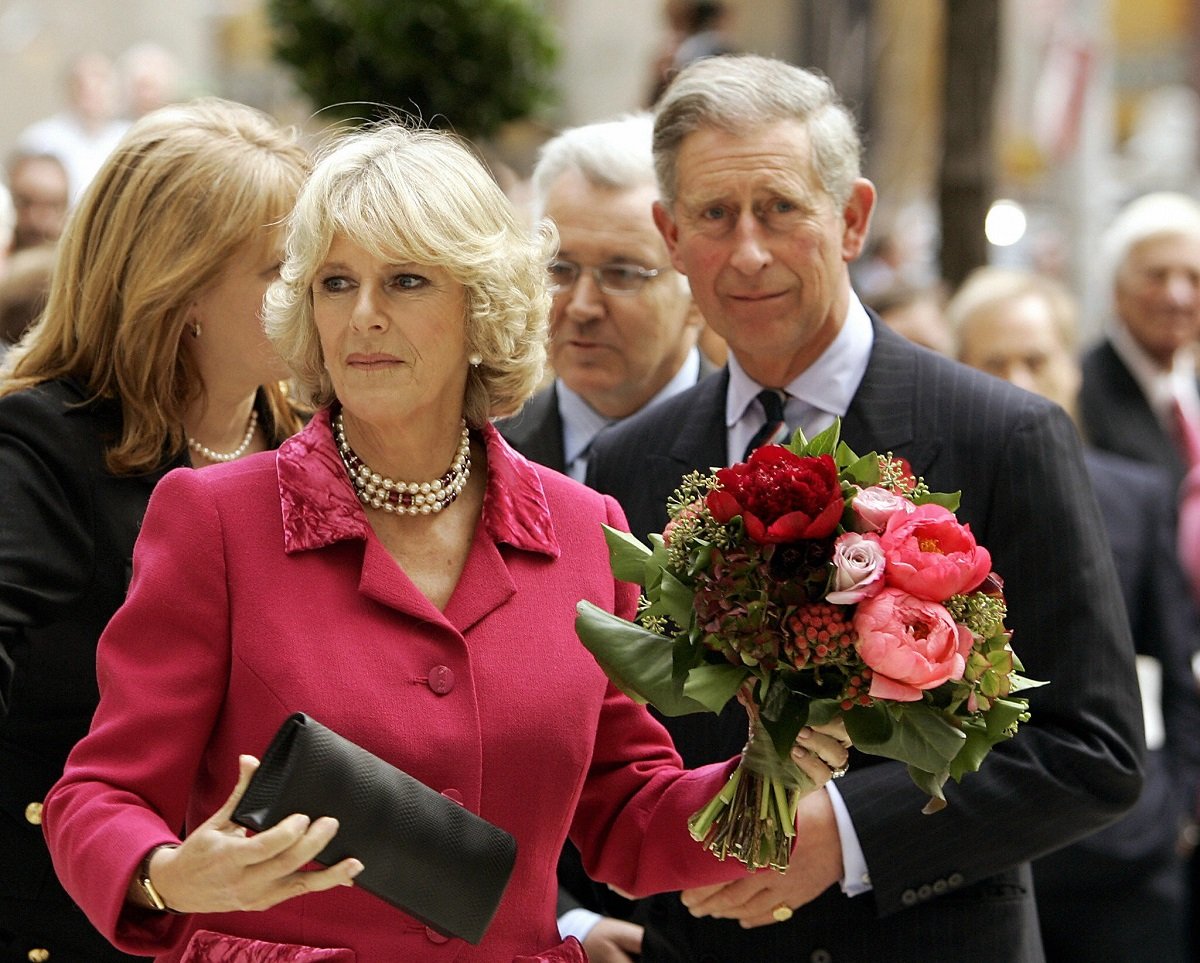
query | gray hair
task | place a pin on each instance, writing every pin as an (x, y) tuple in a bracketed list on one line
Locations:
[(614, 154), (1159, 214), (990, 287), (737, 93)]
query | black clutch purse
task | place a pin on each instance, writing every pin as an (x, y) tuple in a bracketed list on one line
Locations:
[(422, 852)]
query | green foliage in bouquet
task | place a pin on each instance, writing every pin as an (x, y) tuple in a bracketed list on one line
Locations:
[(471, 65), (748, 589)]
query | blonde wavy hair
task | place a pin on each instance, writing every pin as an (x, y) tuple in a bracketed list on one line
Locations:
[(405, 193), (184, 190)]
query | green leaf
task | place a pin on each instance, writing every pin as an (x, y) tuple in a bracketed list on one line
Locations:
[(864, 471), (675, 600), (918, 735), (627, 555), (713, 685), (641, 663), (948, 500), (931, 782)]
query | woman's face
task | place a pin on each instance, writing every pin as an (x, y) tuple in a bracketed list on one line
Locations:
[(231, 344), (393, 335)]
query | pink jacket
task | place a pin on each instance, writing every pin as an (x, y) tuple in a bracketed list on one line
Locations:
[(260, 590)]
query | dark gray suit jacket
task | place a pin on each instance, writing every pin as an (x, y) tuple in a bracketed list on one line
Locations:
[(956, 885), (1116, 416)]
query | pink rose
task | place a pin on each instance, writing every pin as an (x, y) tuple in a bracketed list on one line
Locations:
[(858, 565), (910, 644), (875, 506), (931, 555)]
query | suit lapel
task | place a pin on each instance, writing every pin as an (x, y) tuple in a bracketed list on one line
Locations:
[(883, 415)]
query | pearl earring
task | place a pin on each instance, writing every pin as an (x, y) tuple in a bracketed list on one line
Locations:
[(196, 329), (475, 360)]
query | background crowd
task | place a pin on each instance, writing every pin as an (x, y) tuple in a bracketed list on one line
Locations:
[(657, 366)]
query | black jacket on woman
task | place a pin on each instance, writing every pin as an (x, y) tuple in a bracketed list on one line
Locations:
[(67, 529)]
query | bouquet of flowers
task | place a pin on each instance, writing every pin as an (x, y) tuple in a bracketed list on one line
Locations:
[(817, 584)]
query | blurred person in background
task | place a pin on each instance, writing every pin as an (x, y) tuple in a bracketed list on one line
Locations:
[(1140, 396), (41, 195), (23, 291), (917, 313), (623, 328), (150, 355), (149, 78), (88, 127), (1123, 892)]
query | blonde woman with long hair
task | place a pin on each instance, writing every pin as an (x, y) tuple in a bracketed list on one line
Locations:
[(149, 356)]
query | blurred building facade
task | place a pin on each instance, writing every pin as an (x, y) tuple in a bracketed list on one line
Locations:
[(1096, 98)]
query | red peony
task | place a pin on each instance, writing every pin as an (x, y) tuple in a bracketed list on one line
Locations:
[(781, 496)]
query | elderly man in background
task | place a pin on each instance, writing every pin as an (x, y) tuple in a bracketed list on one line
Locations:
[(763, 208), (1121, 893), (1140, 395), (623, 329)]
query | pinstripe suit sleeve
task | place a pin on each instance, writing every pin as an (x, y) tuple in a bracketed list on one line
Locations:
[(1077, 765)]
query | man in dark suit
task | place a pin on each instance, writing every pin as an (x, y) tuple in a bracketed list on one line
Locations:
[(762, 207), (623, 328), (1121, 893), (1141, 379)]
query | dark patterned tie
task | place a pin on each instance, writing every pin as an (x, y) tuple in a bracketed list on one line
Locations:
[(774, 429)]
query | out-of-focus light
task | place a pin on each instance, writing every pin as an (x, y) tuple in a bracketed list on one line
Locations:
[(1005, 223)]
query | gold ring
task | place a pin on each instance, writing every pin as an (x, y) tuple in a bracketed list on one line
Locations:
[(782, 913)]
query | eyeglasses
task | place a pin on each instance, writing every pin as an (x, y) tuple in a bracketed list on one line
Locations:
[(621, 279)]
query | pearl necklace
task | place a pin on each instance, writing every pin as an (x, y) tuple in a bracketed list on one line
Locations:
[(240, 450), (405, 498)]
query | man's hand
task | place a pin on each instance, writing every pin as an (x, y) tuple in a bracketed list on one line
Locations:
[(816, 864), (613, 941)]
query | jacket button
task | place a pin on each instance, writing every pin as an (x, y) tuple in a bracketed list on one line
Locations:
[(940, 886), (434, 936), (954, 880), (33, 814), (38, 954), (924, 892), (909, 897), (821, 956), (441, 679)]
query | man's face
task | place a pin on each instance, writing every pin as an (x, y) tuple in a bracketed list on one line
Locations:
[(1018, 340), (39, 192), (616, 350), (763, 246), (1158, 294)]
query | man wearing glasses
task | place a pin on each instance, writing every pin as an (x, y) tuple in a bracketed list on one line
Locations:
[(623, 328)]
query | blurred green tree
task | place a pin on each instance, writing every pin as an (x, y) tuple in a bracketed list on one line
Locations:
[(467, 65)]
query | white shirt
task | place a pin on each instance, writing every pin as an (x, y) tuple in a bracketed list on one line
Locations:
[(820, 393), (581, 422)]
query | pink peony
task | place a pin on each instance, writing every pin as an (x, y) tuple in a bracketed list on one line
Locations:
[(910, 644), (875, 507), (858, 565), (781, 496), (931, 555)]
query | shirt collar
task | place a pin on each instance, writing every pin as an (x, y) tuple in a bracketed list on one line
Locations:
[(581, 422), (824, 389), (320, 507)]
